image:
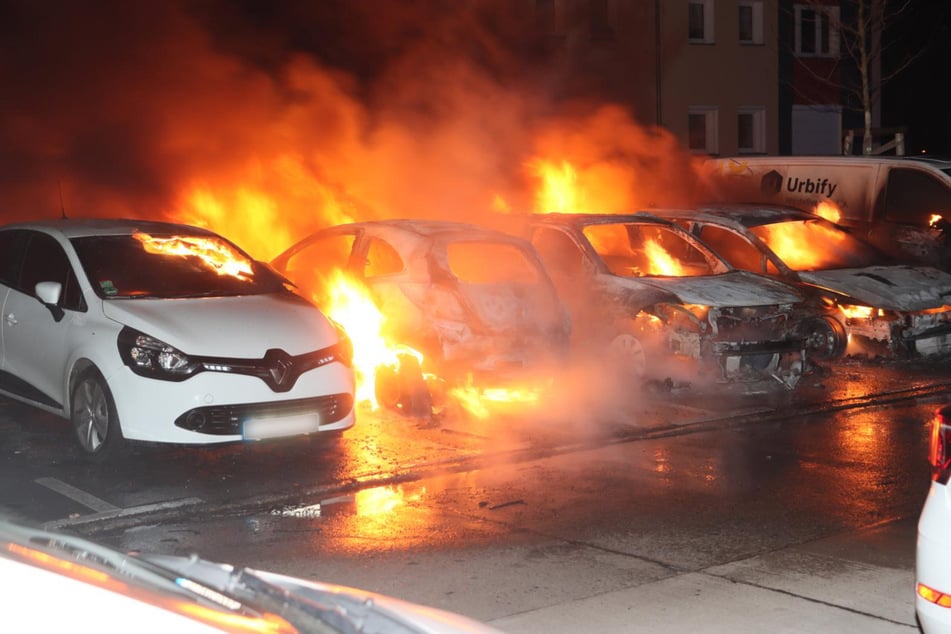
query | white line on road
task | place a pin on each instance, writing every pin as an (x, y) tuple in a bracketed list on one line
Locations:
[(77, 495)]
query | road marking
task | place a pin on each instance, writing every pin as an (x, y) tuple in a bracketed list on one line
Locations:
[(77, 495)]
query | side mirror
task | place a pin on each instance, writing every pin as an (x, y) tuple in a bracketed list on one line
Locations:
[(49, 293)]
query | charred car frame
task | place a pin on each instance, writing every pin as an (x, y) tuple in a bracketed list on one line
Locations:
[(731, 325)]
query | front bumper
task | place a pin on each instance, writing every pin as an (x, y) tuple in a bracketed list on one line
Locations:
[(154, 410)]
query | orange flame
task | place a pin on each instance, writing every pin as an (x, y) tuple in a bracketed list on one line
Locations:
[(217, 255), (857, 312), (559, 192), (661, 262), (935, 220), (794, 243), (828, 210), (349, 304), (482, 402)]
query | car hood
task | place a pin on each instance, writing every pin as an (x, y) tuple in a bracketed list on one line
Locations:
[(735, 288), (341, 606), (244, 327), (899, 288)]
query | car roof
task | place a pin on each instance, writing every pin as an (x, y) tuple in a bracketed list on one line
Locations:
[(746, 214), (938, 162), (431, 229), (82, 227), (582, 219)]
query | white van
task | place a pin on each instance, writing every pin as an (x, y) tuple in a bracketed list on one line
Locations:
[(901, 204)]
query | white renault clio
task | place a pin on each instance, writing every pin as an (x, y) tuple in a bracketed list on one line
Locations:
[(933, 557), (165, 333)]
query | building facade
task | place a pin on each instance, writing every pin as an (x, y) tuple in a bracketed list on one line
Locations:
[(726, 77)]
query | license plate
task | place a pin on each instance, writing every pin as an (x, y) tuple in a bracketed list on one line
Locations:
[(275, 427)]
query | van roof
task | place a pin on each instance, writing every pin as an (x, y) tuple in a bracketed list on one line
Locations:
[(942, 163)]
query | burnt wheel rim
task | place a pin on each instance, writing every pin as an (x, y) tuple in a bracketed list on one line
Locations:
[(627, 350)]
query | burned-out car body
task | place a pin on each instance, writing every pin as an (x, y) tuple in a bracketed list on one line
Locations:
[(703, 320), (892, 307), (472, 300)]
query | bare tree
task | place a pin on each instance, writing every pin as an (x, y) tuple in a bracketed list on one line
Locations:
[(859, 27)]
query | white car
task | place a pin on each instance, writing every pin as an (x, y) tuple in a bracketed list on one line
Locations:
[(933, 557), (55, 582), (145, 331)]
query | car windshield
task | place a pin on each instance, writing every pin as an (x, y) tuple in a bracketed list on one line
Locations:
[(175, 265), (642, 250), (486, 262), (815, 245)]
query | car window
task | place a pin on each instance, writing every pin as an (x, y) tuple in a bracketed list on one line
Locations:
[(46, 261), (174, 265), (813, 245), (311, 267), (558, 251), (382, 259), (733, 248), (482, 262), (912, 197), (11, 248), (636, 249)]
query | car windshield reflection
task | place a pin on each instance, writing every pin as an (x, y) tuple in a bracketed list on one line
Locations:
[(171, 266)]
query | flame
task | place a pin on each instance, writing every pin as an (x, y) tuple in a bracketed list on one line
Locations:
[(481, 402), (857, 312), (217, 255), (935, 220), (559, 191), (795, 243), (350, 305), (661, 262), (828, 210)]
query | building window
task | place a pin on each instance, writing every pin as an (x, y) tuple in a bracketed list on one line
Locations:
[(750, 21), (702, 129), (751, 130), (817, 31), (700, 21)]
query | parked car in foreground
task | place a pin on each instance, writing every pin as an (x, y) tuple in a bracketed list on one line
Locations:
[(933, 552), (166, 333), (647, 291), (894, 308), (472, 300), (56, 582)]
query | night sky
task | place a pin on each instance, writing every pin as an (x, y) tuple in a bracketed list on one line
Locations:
[(919, 41)]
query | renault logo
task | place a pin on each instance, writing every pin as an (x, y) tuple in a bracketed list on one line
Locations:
[(280, 369)]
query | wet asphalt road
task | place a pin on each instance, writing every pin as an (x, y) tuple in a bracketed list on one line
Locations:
[(782, 512)]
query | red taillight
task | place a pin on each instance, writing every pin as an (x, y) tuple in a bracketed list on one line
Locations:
[(939, 455)]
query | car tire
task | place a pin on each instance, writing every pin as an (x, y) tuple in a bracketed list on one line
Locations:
[(826, 338), (404, 389), (93, 414)]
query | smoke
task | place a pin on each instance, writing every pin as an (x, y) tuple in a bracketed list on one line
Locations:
[(267, 122)]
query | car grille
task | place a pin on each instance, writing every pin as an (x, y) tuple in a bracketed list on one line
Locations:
[(227, 420)]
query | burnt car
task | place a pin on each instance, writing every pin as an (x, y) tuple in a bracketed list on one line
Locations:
[(474, 301), (891, 308), (654, 295)]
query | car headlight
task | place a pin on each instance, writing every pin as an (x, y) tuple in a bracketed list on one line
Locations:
[(343, 349), (151, 357)]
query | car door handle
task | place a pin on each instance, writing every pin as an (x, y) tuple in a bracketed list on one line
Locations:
[(11, 320)]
